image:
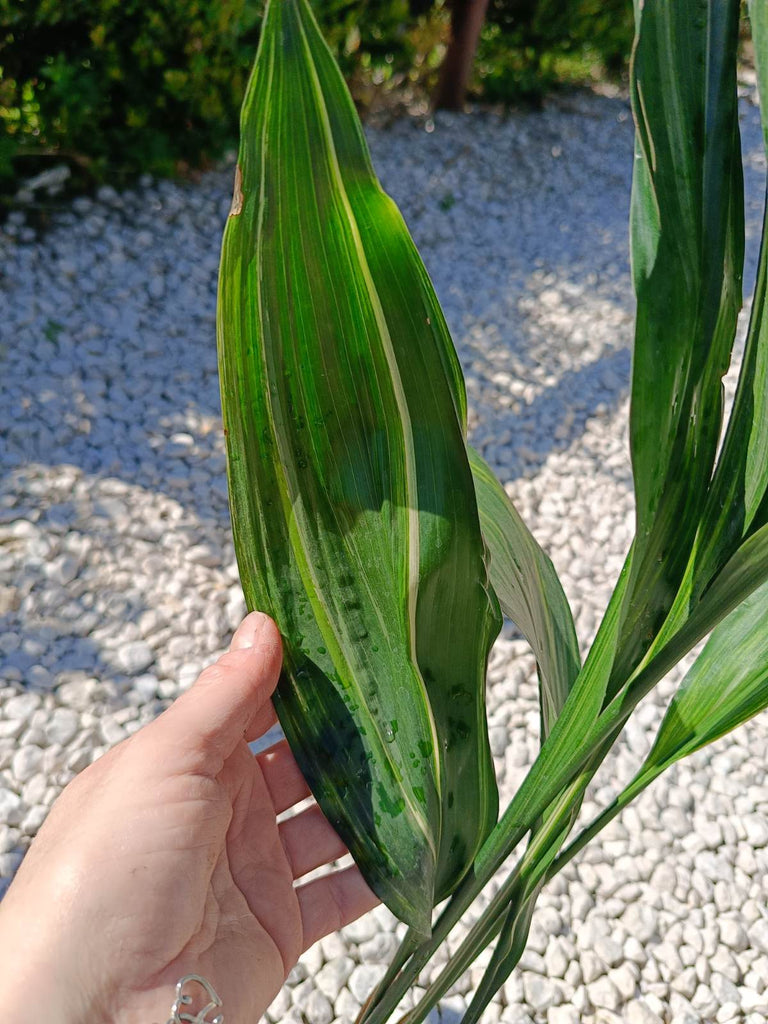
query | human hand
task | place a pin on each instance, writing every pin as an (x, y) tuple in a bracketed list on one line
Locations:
[(164, 858)]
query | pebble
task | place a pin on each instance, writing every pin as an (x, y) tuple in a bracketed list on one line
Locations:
[(381, 948), (603, 993), (638, 1012), (63, 726), (540, 992), (557, 957), (757, 830), (346, 1006), (332, 977), (686, 982), (26, 762), (608, 950), (111, 731), (11, 728), (641, 921), (625, 979), (11, 807), (318, 1009), (33, 819), (563, 1015), (758, 935), (361, 930), (279, 1005), (135, 657), (146, 687), (21, 708), (119, 581), (364, 979)]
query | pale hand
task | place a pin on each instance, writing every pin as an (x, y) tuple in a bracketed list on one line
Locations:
[(164, 858)]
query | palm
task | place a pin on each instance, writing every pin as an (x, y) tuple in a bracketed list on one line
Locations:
[(237, 916), (245, 926), (165, 858)]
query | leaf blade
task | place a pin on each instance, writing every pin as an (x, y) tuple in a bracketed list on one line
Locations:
[(529, 591), (687, 240), (352, 502), (720, 691)]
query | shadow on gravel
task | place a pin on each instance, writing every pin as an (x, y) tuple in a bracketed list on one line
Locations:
[(563, 410), (74, 603), (108, 352)]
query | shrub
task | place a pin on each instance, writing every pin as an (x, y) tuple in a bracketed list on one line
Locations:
[(529, 45), (120, 86), (117, 87)]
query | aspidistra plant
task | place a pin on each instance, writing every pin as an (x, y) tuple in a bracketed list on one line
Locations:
[(386, 549)]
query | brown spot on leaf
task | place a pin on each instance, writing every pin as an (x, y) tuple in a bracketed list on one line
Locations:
[(237, 196)]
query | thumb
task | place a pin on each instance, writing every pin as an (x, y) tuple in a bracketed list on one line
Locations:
[(250, 630), (205, 724)]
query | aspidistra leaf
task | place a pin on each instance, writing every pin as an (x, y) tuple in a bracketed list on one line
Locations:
[(687, 236), (726, 685), (737, 501), (352, 501), (529, 591)]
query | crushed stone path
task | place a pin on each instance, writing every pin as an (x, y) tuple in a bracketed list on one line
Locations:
[(118, 580)]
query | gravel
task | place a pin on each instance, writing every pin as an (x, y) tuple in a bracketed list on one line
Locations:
[(117, 576)]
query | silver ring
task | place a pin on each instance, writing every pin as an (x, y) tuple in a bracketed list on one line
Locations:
[(180, 1016)]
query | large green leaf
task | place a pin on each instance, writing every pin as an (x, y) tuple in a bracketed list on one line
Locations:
[(352, 501), (687, 236), (530, 593)]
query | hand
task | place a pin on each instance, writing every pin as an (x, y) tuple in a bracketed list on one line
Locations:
[(164, 858)]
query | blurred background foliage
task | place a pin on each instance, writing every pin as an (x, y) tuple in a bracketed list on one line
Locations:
[(118, 87)]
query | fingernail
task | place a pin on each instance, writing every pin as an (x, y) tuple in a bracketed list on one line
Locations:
[(249, 631)]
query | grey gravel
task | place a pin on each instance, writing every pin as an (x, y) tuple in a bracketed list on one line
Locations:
[(118, 582)]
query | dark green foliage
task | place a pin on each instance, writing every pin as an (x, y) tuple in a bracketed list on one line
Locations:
[(117, 87), (527, 46), (124, 86), (371, 33)]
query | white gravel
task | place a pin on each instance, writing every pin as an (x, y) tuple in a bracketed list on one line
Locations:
[(117, 575)]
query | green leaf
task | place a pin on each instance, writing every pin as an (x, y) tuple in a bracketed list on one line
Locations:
[(529, 591), (687, 236), (719, 693), (737, 501), (727, 684), (758, 17), (353, 508)]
